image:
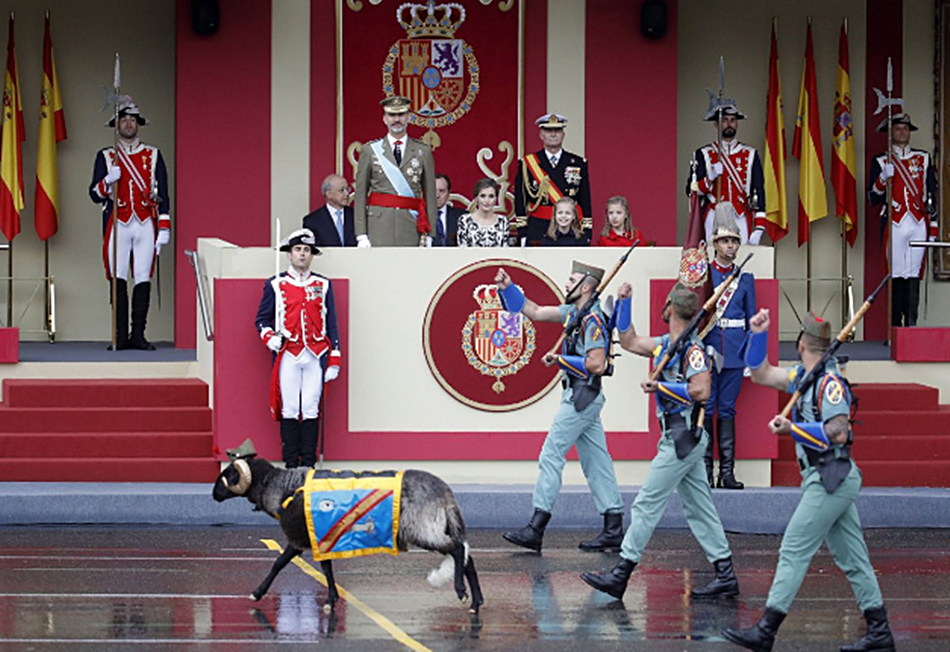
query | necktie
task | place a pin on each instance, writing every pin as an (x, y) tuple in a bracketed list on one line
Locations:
[(397, 152), (554, 161), (339, 224), (440, 228)]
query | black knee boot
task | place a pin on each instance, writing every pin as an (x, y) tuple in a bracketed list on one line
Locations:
[(913, 300), (610, 538), (898, 299), (761, 637), (530, 535), (724, 585), (708, 455), (121, 314), (308, 442), (879, 635), (614, 581), (141, 295), (727, 455), (290, 436)]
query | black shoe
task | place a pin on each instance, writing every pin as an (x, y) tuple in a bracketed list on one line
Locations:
[(724, 585), (614, 581), (726, 433), (610, 538), (530, 535), (879, 635), (728, 481), (761, 637)]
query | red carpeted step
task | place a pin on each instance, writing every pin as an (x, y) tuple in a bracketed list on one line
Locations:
[(886, 447), (98, 419), (151, 392), (896, 396), (901, 422), (145, 469), (106, 444), (916, 473)]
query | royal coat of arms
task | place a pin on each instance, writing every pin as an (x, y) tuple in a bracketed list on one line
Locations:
[(437, 71), (496, 342)]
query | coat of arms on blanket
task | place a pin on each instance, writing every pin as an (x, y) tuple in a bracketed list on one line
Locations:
[(352, 514)]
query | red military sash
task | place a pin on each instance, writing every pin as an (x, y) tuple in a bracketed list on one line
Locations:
[(385, 200)]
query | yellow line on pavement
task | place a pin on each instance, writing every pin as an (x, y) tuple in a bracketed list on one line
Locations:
[(367, 610)]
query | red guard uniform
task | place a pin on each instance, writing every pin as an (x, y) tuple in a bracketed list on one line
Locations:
[(742, 183)]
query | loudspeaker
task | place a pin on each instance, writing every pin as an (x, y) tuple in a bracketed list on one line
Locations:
[(205, 17), (653, 19)]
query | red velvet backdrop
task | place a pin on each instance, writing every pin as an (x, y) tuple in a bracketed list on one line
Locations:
[(492, 117), (630, 100)]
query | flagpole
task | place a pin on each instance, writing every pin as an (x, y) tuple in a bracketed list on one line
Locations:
[(116, 82), (722, 79), (844, 239), (808, 242), (10, 283)]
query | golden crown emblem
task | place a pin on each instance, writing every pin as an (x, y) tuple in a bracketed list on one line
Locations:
[(487, 297), (431, 19)]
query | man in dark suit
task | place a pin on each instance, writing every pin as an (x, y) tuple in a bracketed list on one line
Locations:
[(332, 223), (447, 217)]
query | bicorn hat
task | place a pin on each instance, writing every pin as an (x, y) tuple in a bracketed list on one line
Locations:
[(898, 119), (128, 107), (551, 121), (396, 104), (724, 224), (587, 270), (298, 237), (815, 326), (727, 104), (244, 451)]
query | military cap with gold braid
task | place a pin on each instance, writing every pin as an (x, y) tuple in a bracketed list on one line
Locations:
[(551, 121), (396, 104)]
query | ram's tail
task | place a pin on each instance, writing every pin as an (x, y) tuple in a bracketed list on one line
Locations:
[(439, 577)]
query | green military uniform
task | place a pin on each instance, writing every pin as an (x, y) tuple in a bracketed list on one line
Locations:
[(676, 468), (823, 515)]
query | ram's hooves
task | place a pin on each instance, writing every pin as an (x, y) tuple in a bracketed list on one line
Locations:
[(255, 597)]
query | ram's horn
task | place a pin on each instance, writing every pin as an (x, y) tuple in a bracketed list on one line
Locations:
[(244, 478)]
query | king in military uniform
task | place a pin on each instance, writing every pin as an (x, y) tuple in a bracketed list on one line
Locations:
[(826, 513), (545, 177), (395, 203)]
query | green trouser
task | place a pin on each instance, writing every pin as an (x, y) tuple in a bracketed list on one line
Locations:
[(584, 430), (831, 518), (688, 476)]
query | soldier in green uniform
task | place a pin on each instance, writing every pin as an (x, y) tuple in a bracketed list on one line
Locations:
[(830, 483), (678, 465), (583, 359)]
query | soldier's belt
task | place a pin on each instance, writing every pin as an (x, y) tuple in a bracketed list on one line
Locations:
[(385, 200), (813, 458)]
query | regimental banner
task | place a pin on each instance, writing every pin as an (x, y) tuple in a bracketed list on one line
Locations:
[(481, 354), (459, 62)]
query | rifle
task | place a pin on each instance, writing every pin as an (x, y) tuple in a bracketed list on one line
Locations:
[(579, 315), (812, 376), (710, 306)]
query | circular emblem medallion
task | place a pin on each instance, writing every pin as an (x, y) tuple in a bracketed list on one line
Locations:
[(834, 392), (481, 354)]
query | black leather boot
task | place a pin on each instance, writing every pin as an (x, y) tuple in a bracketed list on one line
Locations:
[(290, 436), (727, 454), (141, 295), (913, 300), (761, 637), (898, 300), (724, 585), (121, 315), (530, 535), (610, 538), (879, 635), (308, 442), (614, 581)]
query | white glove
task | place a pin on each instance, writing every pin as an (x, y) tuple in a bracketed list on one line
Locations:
[(428, 240), (887, 172), (331, 374), (162, 240), (113, 175), (274, 342), (756, 236), (362, 242), (932, 238), (714, 171)]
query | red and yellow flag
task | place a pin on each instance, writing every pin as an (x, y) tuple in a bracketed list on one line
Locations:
[(11, 135), (52, 130), (812, 202), (776, 202), (843, 178)]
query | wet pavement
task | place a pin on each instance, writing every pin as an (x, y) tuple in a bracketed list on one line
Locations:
[(186, 588)]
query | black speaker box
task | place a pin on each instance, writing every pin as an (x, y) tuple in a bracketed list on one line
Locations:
[(205, 17), (653, 19)]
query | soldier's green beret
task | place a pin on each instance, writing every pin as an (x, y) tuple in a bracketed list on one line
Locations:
[(684, 299), (816, 327), (243, 451), (588, 270)]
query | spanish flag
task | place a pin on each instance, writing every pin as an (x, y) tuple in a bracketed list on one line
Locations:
[(812, 203), (11, 159), (842, 153), (776, 202), (52, 130)]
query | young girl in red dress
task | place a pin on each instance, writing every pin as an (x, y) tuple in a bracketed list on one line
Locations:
[(618, 231)]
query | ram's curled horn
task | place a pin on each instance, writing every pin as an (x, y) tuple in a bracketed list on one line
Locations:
[(244, 478)]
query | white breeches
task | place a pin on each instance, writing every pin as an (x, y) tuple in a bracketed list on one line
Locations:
[(907, 259), (741, 222), (136, 240), (301, 383)]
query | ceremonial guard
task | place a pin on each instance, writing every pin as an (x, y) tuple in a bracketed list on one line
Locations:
[(545, 177), (724, 343), (395, 202), (140, 182), (830, 484), (913, 193), (583, 360), (678, 464), (736, 177), (296, 320)]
